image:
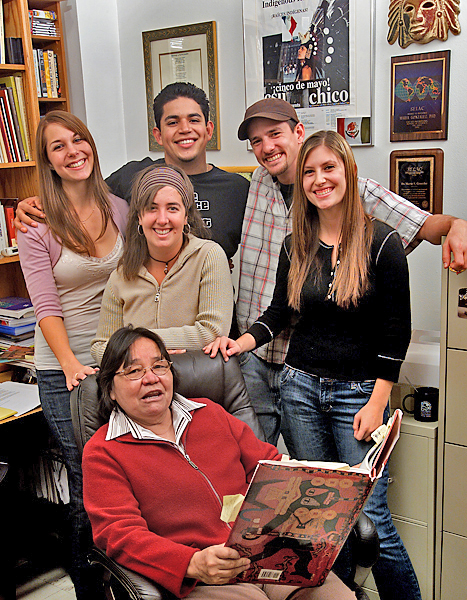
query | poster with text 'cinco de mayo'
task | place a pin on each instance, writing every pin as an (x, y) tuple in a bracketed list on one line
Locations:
[(316, 54)]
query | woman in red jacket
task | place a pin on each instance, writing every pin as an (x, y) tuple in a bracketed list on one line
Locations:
[(154, 479)]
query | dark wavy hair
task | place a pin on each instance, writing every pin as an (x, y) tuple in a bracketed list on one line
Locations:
[(179, 90), (117, 355)]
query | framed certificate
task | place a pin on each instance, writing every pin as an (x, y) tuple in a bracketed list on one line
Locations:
[(419, 96), (417, 175), (189, 54)]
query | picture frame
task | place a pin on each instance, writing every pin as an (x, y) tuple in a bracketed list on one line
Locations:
[(320, 61), (187, 53), (417, 175), (419, 96)]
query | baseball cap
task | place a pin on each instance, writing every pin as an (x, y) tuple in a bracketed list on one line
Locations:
[(268, 108)]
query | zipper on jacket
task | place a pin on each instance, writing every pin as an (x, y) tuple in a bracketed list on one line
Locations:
[(208, 481)]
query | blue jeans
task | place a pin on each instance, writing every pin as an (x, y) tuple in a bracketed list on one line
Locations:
[(317, 419), (55, 402), (263, 384)]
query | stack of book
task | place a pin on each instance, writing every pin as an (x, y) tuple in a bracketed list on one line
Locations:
[(42, 22), (14, 134), (7, 227), (17, 319), (46, 71), (17, 323)]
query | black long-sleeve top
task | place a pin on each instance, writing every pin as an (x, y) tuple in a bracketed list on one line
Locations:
[(367, 341)]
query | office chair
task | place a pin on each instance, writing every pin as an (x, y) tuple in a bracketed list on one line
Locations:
[(199, 377)]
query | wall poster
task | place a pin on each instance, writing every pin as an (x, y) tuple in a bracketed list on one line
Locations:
[(316, 54)]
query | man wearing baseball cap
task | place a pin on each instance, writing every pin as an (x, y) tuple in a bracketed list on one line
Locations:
[(276, 134)]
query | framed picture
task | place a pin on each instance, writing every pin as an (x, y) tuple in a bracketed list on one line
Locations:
[(418, 176), (316, 56), (188, 54), (419, 96)]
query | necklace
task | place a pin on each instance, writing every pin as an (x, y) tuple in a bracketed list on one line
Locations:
[(166, 268), (89, 216)]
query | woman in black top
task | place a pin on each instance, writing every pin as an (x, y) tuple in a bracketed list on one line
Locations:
[(342, 282)]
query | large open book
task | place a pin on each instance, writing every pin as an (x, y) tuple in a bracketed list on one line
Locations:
[(297, 515)]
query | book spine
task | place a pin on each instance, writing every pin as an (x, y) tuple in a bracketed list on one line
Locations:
[(15, 119), (57, 76), (24, 116), (3, 230), (53, 74), (37, 73), (43, 14), (40, 56), (9, 140), (47, 73), (4, 139), (10, 225), (11, 125)]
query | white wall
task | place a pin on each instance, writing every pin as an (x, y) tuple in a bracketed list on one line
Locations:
[(114, 92)]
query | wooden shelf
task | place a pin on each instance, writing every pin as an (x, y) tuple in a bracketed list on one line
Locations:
[(5, 68), (15, 165), (41, 100), (45, 38), (8, 259)]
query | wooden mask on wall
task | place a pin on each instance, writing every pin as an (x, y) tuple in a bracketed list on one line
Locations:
[(420, 21)]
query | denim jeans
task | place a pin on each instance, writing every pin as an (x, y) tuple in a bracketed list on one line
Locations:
[(317, 419), (263, 384), (55, 402)]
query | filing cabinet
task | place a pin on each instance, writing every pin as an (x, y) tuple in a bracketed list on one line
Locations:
[(412, 498), (451, 525)]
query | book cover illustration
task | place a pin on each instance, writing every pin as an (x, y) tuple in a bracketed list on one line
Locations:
[(295, 520)]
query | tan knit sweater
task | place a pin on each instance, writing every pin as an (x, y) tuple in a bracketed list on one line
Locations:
[(192, 306)]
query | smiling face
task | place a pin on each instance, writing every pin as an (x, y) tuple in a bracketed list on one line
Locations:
[(147, 400), (324, 181), (163, 223), (184, 135), (69, 155), (276, 146)]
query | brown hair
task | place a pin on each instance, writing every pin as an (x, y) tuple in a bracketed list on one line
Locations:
[(61, 217), (351, 280), (147, 184)]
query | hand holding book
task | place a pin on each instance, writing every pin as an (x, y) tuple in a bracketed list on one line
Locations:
[(297, 514)]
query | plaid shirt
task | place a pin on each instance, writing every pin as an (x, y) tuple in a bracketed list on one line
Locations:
[(267, 222)]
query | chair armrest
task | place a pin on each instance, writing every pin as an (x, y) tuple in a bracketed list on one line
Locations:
[(137, 586)]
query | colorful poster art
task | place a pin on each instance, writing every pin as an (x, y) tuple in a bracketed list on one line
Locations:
[(316, 54)]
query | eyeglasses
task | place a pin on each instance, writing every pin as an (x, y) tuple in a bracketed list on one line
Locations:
[(133, 372)]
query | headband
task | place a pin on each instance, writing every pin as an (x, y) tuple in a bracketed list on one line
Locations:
[(162, 176)]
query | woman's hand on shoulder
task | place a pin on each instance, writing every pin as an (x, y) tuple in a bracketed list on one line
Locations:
[(229, 347), (76, 373), (225, 345), (28, 206), (216, 565)]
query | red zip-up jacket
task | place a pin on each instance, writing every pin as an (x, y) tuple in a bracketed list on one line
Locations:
[(152, 507)]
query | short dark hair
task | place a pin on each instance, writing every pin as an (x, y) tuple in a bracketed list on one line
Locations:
[(179, 90), (118, 354)]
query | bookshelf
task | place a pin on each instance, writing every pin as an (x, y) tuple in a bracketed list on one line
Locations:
[(19, 179)]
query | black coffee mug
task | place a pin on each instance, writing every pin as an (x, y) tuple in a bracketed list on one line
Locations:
[(425, 404)]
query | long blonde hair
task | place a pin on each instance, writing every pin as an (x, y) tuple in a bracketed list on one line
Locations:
[(351, 280), (61, 217)]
